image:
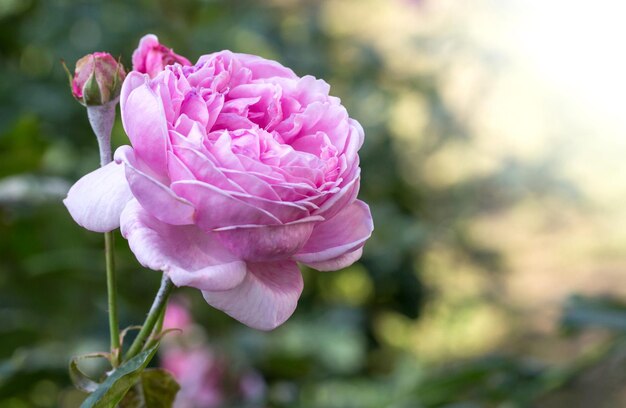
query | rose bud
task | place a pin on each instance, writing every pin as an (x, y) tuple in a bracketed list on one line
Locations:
[(97, 79), (151, 57)]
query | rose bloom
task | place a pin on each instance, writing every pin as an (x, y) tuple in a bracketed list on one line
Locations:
[(151, 56), (176, 316), (238, 170), (199, 375)]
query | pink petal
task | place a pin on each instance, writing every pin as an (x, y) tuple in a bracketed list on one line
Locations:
[(348, 193), (282, 210), (204, 169), (216, 208), (340, 262), (157, 198), (144, 121), (190, 256), (341, 235), (147, 43), (265, 299), (98, 198), (268, 242)]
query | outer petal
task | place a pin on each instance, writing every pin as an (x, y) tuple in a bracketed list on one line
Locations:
[(190, 256), (340, 262), (267, 242), (341, 235), (266, 297), (98, 198), (157, 198), (144, 121)]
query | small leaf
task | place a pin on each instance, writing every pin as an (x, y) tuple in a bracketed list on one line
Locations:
[(113, 389), (156, 389), (159, 388), (81, 380), (583, 312)]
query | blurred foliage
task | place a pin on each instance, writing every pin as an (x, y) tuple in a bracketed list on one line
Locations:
[(352, 340)]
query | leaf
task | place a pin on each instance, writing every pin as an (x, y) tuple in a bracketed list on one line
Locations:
[(81, 380), (156, 389), (159, 388), (584, 312), (113, 389)]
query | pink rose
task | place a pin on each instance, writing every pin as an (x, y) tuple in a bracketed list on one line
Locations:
[(176, 316), (238, 169), (199, 375), (151, 57)]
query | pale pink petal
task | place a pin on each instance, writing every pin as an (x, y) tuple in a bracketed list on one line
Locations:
[(342, 234), (265, 299), (340, 262), (268, 242), (98, 198), (145, 122), (153, 195), (190, 256)]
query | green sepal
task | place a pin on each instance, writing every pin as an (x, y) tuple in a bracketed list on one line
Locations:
[(91, 91)]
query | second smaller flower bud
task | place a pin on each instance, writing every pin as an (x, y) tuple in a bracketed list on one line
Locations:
[(97, 79)]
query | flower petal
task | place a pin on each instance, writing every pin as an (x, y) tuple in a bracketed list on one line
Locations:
[(190, 256), (262, 243), (337, 201), (98, 198), (157, 198), (341, 235), (265, 299), (216, 208), (144, 121), (342, 261)]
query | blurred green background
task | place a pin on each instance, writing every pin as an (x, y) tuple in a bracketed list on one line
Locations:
[(493, 164)]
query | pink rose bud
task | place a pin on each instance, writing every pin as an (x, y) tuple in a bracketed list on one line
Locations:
[(97, 79), (176, 316), (151, 57)]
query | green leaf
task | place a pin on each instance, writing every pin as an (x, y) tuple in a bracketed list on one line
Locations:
[(81, 380), (115, 387), (583, 312), (156, 389)]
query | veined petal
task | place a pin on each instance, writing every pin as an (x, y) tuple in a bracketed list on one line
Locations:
[(157, 198), (342, 261), (216, 208), (265, 299), (190, 256), (262, 243), (341, 235)]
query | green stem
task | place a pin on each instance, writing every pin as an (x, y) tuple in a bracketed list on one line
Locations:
[(112, 298), (158, 327), (157, 307)]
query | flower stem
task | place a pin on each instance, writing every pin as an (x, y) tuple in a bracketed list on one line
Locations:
[(153, 316), (101, 119), (112, 298)]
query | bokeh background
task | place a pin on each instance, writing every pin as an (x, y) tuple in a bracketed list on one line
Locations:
[(493, 164)]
